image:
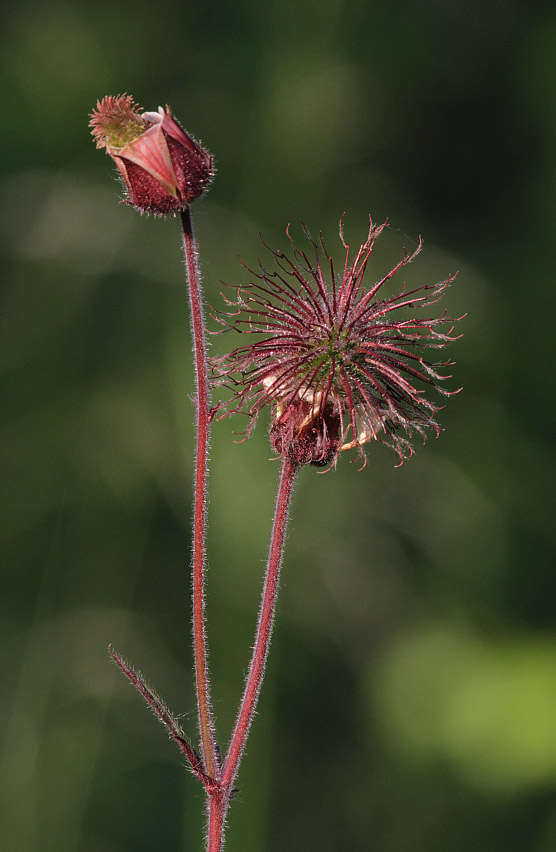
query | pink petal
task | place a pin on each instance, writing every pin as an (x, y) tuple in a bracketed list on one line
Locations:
[(150, 152), (173, 129)]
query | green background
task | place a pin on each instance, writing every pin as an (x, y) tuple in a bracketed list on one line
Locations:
[(410, 700)]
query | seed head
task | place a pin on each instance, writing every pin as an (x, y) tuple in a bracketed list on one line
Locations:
[(163, 168), (336, 363)]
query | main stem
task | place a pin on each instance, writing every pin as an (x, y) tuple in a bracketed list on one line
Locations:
[(248, 705), (202, 422)]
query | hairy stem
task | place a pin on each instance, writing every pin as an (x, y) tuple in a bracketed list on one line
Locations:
[(264, 627), (219, 799), (203, 418), (217, 810)]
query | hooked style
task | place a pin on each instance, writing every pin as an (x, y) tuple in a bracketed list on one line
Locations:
[(338, 369)]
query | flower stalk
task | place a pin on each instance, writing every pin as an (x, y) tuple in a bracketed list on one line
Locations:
[(264, 626), (220, 801), (202, 422)]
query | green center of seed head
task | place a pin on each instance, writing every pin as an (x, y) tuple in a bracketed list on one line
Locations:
[(329, 352)]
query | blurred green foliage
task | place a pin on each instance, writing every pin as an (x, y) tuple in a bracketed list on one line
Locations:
[(410, 702)]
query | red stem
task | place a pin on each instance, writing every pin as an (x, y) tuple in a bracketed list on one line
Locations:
[(217, 810), (219, 800), (203, 417), (264, 627)]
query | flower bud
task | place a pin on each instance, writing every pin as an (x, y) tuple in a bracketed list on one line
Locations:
[(162, 167)]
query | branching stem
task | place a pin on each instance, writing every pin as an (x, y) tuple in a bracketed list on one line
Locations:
[(220, 792)]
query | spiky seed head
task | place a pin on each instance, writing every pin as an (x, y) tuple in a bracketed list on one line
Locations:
[(340, 364)]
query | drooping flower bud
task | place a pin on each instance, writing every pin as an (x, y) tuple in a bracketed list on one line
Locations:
[(162, 167)]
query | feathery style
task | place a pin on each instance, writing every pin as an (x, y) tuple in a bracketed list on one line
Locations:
[(340, 364)]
